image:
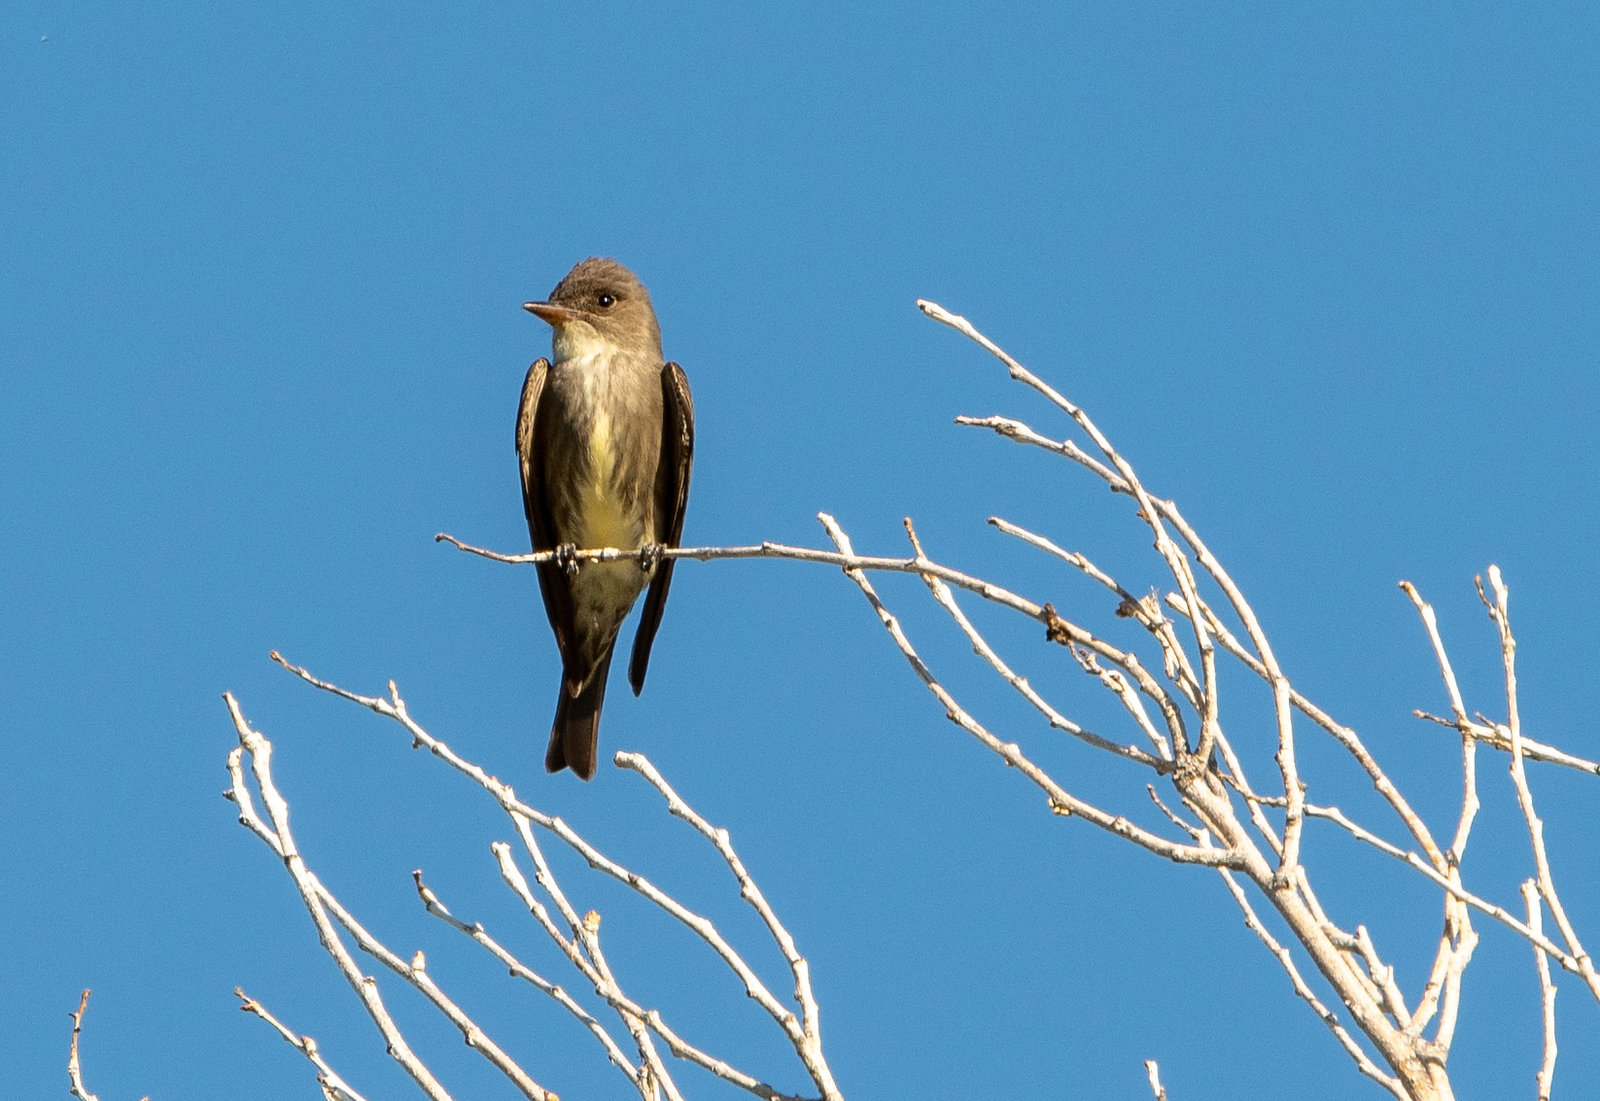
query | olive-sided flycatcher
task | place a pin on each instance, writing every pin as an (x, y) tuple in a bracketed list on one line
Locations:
[(605, 435)]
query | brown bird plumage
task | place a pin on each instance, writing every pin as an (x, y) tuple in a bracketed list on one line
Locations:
[(605, 439)]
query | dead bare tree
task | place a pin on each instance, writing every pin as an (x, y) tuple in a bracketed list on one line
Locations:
[(1250, 835), (1188, 766)]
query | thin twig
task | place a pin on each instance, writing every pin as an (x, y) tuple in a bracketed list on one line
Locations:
[(1442, 992), (1547, 993), (1500, 612), (983, 588), (1175, 559), (1382, 975), (1344, 735), (799, 968), (1496, 736), (1147, 614), (583, 950), (1451, 887), (1114, 681), (1043, 613), (1153, 1073), (1327, 1016), (1144, 611), (1153, 510), (1469, 797), (74, 1068), (334, 1088), (522, 971)]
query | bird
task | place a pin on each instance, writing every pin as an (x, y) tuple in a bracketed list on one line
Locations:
[(605, 442)]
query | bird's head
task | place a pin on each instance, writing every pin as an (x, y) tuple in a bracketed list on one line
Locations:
[(599, 306)]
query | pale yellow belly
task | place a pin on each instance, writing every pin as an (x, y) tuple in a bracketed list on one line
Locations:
[(603, 521), (604, 591)]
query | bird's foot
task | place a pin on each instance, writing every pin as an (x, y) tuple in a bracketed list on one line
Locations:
[(649, 556), (567, 558)]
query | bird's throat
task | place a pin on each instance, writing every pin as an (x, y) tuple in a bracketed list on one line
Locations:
[(577, 340)]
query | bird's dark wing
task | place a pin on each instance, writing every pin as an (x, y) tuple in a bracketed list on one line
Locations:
[(672, 496), (535, 504)]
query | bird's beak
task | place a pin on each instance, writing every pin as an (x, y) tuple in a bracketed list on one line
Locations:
[(554, 314)]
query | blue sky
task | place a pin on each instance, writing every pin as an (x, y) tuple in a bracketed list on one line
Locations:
[(1328, 277)]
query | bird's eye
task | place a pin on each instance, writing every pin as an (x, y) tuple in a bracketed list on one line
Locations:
[(607, 301)]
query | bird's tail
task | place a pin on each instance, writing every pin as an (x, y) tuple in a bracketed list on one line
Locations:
[(575, 737)]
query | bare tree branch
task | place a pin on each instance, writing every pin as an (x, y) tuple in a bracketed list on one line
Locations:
[(1500, 613), (1113, 680), (1153, 1073), (1061, 801), (580, 942), (333, 1087), (521, 970), (810, 1047), (1349, 962), (1328, 1017), (325, 910), (74, 1068), (1214, 803), (1547, 993)]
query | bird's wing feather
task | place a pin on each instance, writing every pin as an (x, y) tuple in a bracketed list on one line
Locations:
[(672, 497), (535, 504)]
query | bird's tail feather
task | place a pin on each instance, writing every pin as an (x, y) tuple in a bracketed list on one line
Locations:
[(575, 736)]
